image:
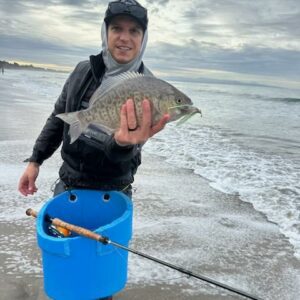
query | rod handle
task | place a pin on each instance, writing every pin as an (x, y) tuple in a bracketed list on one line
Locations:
[(77, 229)]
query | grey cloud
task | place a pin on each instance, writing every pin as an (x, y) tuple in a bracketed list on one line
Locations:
[(16, 14), (245, 18), (254, 23), (75, 2), (93, 17), (19, 42), (39, 51), (248, 60), (154, 6), (159, 2), (23, 43), (15, 7)]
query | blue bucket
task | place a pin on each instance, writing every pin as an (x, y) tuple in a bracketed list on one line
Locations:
[(76, 267)]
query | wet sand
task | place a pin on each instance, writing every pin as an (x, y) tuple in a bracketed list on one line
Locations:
[(177, 218)]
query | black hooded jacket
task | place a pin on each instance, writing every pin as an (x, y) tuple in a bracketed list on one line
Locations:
[(94, 160)]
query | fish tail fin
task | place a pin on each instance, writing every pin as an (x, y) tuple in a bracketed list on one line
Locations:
[(77, 126)]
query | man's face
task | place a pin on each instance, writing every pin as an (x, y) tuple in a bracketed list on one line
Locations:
[(125, 38)]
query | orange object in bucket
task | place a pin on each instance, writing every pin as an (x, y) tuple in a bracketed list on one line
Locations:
[(65, 232)]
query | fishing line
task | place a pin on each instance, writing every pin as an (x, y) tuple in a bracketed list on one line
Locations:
[(106, 241)]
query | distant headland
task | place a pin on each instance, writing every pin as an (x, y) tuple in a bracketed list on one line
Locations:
[(7, 65)]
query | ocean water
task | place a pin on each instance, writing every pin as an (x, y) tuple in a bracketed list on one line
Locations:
[(246, 145)]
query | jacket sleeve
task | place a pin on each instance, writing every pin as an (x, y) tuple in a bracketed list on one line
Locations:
[(51, 135), (106, 143), (120, 153)]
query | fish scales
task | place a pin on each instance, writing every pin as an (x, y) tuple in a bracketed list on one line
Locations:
[(106, 103)]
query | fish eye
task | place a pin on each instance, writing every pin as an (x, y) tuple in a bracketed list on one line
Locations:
[(178, 101)]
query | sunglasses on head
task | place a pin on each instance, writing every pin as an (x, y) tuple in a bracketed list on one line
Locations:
[(130, 9)]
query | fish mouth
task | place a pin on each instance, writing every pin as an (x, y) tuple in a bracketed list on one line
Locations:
[(188, 111)]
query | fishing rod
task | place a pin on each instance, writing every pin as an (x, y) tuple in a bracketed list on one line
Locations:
[(106, 241)]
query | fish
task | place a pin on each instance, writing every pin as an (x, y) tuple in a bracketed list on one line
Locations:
[(106, 102)]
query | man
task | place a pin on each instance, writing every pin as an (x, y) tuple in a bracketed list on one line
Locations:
[(97, 160)]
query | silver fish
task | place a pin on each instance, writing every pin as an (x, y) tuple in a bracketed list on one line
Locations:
[(105, 104)]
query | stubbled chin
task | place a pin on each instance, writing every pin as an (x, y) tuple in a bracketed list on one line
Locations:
[(123, 58), (122, 61)]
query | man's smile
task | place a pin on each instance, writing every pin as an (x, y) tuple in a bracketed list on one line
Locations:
[(123, 48)]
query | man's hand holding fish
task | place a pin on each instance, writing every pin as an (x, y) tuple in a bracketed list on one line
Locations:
[(130, 132)]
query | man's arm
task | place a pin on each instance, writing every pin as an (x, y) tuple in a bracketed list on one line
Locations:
[(45, 145)]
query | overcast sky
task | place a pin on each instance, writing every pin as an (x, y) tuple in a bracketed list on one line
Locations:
[(223, 39)]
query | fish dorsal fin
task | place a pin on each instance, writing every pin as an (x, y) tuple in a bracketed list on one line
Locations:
[(112, 82)]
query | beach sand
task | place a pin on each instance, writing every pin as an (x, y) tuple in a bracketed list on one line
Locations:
[(178, 218)]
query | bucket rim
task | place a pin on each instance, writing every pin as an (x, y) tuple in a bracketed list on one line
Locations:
[(40, 218)]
